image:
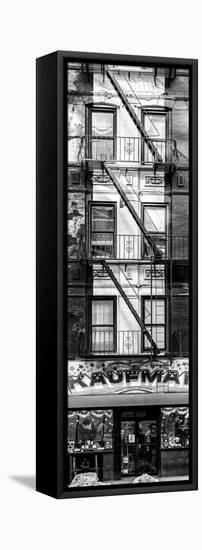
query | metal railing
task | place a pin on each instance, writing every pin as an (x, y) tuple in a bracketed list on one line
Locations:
[(135, 342), (129, 247), (121, 149), (124, 342)]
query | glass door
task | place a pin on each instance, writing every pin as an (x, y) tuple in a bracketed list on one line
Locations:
[(138, 447), (128, 441), (146, 448)]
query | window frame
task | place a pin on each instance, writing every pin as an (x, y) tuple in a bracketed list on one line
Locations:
[(78, 412), (156, 110), (101, 204), (102, 108), (157, 233), (173, 448), (154, 298), (114, 325)]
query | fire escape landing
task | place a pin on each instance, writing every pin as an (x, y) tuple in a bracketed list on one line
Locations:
[(148, 238), (130, 306), (133, 115)]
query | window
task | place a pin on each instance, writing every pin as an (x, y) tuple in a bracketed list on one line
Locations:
[(102, 324), (154, 220), (75, 178), (156, 125), (174, 427), (90, 430), (101, 130), (102, 230), (154, 320), (102, 124)]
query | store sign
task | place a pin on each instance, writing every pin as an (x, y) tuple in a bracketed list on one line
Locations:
[(119, 377)]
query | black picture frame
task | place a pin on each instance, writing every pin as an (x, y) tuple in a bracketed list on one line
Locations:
[(51, 282)]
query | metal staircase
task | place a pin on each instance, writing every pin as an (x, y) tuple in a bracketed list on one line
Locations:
[(110, 169), (111, 173), (133, 115), (130, 306)]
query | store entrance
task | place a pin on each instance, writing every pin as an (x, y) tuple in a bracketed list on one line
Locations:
[(138, 447)]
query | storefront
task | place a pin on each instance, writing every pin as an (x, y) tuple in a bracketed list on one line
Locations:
[(118, 445)]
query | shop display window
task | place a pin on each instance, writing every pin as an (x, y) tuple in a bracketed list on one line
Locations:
[(174, 427), (90, 430)]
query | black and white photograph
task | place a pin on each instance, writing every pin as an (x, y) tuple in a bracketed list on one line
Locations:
[(128, 278), (101, 261)]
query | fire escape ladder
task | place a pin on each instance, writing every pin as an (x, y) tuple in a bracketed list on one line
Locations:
[(133, 115), (132, 309), (148, 238)]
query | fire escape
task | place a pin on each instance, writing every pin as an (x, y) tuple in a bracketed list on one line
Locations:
[(113, 172)]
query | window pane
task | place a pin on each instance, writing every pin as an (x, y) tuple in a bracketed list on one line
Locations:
[(102, 218), (102, 339), (102, 148), (72, 418), (158, 311), (102, 245), (108, 428), (86, 428), (147, 311), (102, 312), (159, 242), (158, 335), (102, 124), (155, 125), (154, 219), (174, 427)]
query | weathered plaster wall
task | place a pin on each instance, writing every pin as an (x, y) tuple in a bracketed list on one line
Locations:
[(76, 324), (76, 224)]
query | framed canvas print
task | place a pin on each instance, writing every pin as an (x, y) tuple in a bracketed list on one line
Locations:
[(116, 274)]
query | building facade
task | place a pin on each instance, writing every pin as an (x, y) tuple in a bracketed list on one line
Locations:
[(128, 280)]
